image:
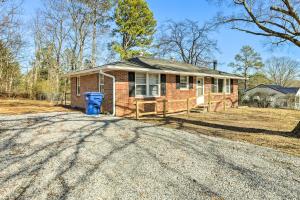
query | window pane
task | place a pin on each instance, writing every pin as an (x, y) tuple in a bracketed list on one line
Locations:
[(220, 85), (231, 85), (214, 86), (183, 81), (140, 90), (153, 90), (227, 85), (153, 79), (140, 78)]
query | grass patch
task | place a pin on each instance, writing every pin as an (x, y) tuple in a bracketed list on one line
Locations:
[(266, 127), (25, 106)]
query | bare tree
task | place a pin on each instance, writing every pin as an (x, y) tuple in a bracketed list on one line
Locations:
[(278, 19), (282, 70), (99, 11), (10, 44), (80, 21), (187, 41)]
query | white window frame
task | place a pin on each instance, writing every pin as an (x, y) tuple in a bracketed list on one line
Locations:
[(78, 86), (224, 86), (101, 84), (147, 85), (187, 83), (211, 85), (229, 86)]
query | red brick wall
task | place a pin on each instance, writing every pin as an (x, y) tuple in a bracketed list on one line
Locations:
[(89, 83), (125, 105)]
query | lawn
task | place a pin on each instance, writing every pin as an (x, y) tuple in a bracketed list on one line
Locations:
[(25, 106), (265, 127)]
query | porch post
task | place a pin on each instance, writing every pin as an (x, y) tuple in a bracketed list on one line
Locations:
[(137, 109), (164, 108)]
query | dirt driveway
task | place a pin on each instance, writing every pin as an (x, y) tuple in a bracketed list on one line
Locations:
[(73, 156)]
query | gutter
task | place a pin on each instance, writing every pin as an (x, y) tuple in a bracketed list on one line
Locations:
[(114, 90)]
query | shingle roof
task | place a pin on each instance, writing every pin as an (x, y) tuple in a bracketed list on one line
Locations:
[(169, 65), (284, 90), (166, 66)]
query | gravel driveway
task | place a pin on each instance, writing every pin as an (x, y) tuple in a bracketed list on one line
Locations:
[(73, 156)]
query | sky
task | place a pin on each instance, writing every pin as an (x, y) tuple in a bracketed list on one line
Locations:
[(229, 41)]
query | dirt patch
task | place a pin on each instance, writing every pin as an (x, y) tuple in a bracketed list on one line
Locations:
[(25, 106), (265, 127)]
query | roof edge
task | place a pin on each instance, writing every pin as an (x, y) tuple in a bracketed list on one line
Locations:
[(114, 67)]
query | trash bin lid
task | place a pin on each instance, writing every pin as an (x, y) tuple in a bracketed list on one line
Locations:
[(93, 94)]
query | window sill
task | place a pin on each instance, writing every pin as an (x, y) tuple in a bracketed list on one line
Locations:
[(183, 89), (146, 97), (219, 93)]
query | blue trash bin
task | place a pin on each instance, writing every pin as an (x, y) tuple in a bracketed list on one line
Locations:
[(93, 102)]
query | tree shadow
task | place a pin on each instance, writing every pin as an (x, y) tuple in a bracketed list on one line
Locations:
[(182, 122), (76, 139)]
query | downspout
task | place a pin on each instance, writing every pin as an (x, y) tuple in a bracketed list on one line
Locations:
[(114, 90)]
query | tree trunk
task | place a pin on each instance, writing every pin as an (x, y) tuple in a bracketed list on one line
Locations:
[(94, 39)]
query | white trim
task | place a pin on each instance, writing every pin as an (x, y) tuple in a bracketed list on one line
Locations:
[(111, 67), (228, 79), (200, 99), (78, 86), (100, 83), (114, 90)]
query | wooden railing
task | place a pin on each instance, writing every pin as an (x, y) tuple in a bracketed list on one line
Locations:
[(210, 102), (165, 101), (164, 106)]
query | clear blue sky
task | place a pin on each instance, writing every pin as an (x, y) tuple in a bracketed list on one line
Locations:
[(229, 41)]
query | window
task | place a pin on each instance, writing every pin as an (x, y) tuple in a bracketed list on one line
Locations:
[(220, 85), (153, 85), (217, 85), (231, 85), (184, 83), (101, 83), (147, 84), (228, 86), (78, 86), (140, 84), (214, 85)]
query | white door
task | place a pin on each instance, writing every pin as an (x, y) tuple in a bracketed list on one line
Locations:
[(200, 90)]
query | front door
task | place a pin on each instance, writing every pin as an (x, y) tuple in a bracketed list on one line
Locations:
[(200, 90)]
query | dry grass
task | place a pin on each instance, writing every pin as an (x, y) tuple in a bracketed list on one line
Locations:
[(25, 106), (265, 127)]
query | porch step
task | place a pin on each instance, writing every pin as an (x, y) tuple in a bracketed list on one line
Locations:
[(200, 108)]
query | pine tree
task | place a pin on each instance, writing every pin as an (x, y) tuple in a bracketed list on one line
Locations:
[(246, 60), (136, 26)]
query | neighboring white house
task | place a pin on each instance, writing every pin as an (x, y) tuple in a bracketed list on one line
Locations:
[(274, 95)]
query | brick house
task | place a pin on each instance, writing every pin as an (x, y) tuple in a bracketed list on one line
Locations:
[(144, 79)]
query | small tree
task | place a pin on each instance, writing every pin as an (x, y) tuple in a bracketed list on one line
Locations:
[(246, 60), (136, 26)]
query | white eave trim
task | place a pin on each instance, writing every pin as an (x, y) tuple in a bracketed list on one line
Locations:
[(112, 67)]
